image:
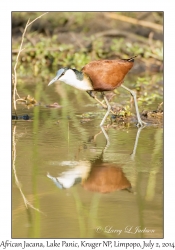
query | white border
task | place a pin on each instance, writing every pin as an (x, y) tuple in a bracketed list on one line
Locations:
[(5, 98)]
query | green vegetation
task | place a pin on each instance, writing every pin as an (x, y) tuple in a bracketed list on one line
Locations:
[(73, 39)]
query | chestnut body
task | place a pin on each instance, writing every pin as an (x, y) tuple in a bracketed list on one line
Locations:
[(106, 178), (107, 75)]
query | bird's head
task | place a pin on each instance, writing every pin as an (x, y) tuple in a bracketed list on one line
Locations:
[(61, 75), (73, 78)]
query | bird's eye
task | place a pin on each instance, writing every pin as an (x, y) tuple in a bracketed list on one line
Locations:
[(63, 73)]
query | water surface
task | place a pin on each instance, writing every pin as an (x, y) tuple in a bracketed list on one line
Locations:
[(65, 172)]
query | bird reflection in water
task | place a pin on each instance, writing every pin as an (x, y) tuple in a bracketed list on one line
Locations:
[(95, 175)]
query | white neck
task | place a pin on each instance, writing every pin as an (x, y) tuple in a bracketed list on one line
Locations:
[(70, 78)]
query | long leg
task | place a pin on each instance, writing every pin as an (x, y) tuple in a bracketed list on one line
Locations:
[(140, 122), (107, 113), (102, 122), (107, 139), (101, 103), (136, 143)]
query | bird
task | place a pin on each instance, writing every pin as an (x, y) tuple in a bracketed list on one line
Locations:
[(101, 76), (94, 175)]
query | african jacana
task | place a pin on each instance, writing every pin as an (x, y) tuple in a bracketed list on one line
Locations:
[(99, 75), (94, 176)]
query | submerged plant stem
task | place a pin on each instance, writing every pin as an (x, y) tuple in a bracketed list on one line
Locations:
[(26, 202)]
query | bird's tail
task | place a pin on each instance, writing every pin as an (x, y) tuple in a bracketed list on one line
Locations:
[(131, 59)]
